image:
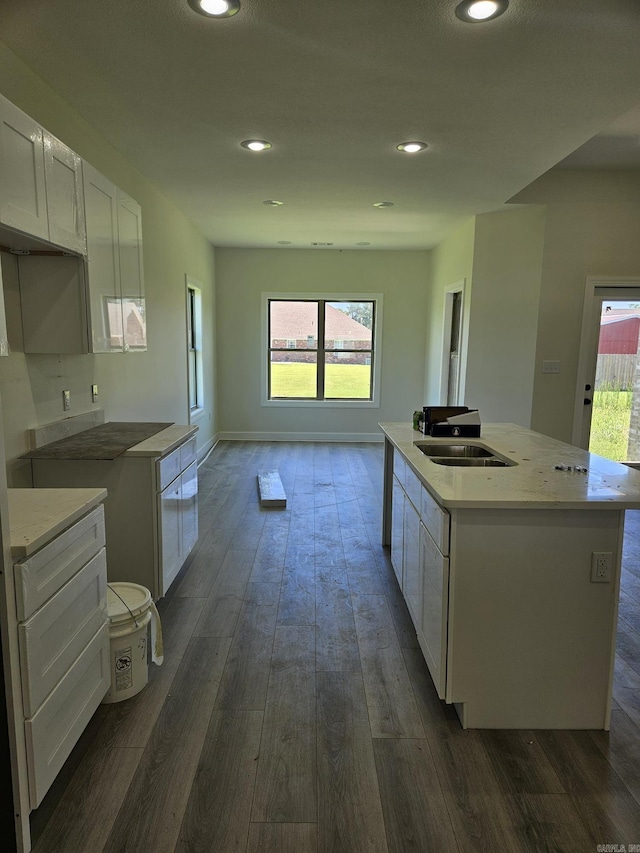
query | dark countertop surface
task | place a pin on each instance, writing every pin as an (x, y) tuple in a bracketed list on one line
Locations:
[(106, 441)]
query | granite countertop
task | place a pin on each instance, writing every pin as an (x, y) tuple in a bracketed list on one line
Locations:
[(163, 442), (533, 483), (107, 441), (36, 516)]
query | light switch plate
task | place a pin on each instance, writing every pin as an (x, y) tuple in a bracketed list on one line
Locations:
[(551, 367), (94, 393), (66, 400)]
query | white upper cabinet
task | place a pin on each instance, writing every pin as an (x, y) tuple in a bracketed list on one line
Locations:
[(23, 200), (115, 289), (65, 202), (93, 302), (134, 327), (104, 292), (40, 183)]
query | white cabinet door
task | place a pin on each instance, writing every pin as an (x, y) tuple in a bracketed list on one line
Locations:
[(397, 523), (189, 509), (23, 201), (131, 273), (103, 286), (435, 604), (411, 574), (4, 340), (169, 510), (65, 202)]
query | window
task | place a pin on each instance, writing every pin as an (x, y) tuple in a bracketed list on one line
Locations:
[(335, 355), (194, 346)]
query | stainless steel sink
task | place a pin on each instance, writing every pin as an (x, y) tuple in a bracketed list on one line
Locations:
[(462, 455), (455, 450), (470, 461)]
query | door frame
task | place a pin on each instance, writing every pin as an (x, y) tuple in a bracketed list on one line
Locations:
[(587, 342), (449, 291)]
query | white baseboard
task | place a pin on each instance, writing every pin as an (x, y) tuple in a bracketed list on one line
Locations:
[(205, 450), (301, 436)]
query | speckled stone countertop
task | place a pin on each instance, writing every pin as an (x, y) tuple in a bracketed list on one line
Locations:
[(531, 483), (163, 442), (107, 441), (36, 516)]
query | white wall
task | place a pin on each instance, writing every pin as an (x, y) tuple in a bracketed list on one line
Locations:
[(592, 229), (451, 263), (133, 386), (507, 268), (242, 275)]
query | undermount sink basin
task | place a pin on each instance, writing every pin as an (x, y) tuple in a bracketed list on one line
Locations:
[(462, 455), (470, 461), (456, 450)]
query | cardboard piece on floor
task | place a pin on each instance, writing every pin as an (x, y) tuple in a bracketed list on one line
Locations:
[(271, 489)]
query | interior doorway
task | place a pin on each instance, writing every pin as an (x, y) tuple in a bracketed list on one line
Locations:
[(610, 390), (450, 391)]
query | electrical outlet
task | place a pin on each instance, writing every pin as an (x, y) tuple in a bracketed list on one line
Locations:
[(601, 562), (94, 393), (66, 400)]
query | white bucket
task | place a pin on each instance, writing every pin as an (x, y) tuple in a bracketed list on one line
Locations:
[(131, 614)]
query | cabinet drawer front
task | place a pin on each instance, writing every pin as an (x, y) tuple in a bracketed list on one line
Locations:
[(168, 468), (54, 730), (52, 639), (39, 577), (436, 520), (399, 467), (413, 487), (432, 634), (187, 453)]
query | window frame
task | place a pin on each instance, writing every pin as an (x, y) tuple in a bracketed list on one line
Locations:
[(195, 379), (312, 402)]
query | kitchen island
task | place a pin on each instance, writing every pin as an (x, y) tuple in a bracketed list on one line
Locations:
[(511, 572)]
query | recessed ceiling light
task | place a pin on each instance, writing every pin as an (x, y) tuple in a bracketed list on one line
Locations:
[(272, 202), (411, 147), (363, 244), (284, 242), (477, 11), (215, 8), (256, 144), (383, 204)]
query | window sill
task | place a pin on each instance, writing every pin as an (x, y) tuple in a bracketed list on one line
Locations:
[(321, 404)]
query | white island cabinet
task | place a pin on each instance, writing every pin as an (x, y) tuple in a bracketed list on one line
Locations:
[(516, 630), (151, 511), (58, 633)]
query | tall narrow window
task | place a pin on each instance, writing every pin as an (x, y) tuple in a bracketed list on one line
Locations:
[(321, 349), (194, 346)]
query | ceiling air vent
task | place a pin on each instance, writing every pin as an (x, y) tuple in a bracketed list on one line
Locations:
[(322, 244)]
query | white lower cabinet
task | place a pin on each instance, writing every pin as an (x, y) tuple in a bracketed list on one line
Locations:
[(397, 525), (419, 543), (178, 513), (432, 633), (411, 569), (151, 510), (63, 640)]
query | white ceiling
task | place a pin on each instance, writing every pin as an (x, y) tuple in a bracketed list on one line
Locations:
[(335, 86)]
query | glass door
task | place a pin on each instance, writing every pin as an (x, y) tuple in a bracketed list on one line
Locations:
[(612, 390)]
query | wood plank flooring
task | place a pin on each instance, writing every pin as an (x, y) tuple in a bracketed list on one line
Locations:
[(294, 712)]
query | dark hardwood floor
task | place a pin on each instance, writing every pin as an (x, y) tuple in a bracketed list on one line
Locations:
[(294, 711)]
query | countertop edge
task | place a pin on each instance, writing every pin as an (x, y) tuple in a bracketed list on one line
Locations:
[(163, 442), (36, 516)]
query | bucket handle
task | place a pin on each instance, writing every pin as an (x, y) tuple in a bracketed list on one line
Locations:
[(157, 649), (125, 604)]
